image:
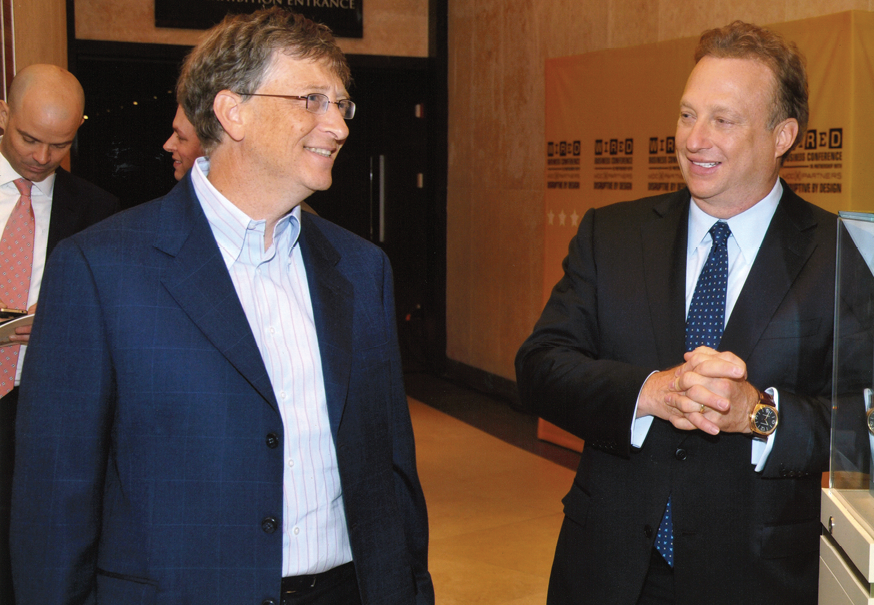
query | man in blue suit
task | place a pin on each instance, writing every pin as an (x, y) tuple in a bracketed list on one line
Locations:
[(213, 408)]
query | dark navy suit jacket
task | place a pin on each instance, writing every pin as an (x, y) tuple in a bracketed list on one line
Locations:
[(617, 315), (76, 204), (149, 462)]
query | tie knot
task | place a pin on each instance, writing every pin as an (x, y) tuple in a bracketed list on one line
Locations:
[(23, 186), (720, 232)]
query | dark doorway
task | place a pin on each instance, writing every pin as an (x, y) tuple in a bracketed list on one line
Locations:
[(129, 103), (381, 187)]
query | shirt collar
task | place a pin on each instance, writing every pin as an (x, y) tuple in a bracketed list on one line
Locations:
[(229, 224), (8, 174), (748, 228)]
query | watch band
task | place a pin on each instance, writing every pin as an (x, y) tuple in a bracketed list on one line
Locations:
[(766, 398)]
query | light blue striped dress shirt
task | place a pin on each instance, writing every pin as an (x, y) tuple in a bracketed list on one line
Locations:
[(273, 289)]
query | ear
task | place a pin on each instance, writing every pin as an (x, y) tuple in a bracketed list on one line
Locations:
[(228, 108), (4, 115), (785, 134)]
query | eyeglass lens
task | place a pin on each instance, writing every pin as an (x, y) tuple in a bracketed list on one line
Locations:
[(318, 103)]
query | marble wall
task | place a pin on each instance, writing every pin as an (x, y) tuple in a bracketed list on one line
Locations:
[(391, 27), (497, 50)]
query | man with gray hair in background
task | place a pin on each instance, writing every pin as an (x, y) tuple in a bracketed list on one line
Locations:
[(234, 428)]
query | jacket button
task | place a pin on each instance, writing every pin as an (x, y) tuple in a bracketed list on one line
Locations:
[(268, 602), (680, 454), (647, 531), (269, 525), (272, 440)]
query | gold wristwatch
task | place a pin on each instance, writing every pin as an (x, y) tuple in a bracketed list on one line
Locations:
[(763, 418)]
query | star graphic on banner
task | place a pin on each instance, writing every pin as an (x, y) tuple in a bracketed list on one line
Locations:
[(551, 216), (561, 217), (575, 218)]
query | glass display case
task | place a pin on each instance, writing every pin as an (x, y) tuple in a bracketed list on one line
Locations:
[(847, 545)]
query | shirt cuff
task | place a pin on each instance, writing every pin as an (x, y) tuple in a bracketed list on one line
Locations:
[(640, 426), (762, 445)]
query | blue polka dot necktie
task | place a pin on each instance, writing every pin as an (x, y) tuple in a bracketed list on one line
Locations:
[(706, 318), (704, 325)]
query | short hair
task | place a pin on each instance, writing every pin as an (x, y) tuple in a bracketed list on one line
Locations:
[(739, 40), (237, 55)]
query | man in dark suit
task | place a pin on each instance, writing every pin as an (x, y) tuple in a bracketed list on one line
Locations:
[(686, 492), (213, 409), (39, 121)]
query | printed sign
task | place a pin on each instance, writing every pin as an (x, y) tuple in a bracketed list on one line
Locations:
[(344, 17)]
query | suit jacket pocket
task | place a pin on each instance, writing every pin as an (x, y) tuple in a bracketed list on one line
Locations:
[(792, 329), (577, 504), (114, 589), (790, 539)]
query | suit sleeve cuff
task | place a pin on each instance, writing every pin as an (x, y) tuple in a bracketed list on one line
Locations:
[(640, 426)]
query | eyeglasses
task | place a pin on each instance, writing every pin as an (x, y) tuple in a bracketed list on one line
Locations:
[(317, 103)]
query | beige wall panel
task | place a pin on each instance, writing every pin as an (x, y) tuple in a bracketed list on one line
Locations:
[(459, 255), (489, 61), (631, 22), (40, 32), (391, 27)]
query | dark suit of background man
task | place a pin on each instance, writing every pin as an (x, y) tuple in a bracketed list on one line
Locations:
[(39, 121), (745, 509), (227, 421)]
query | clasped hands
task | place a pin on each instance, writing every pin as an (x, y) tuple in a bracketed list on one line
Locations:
[(709, 392)]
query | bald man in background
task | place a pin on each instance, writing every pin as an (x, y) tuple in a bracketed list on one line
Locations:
[(44, 110)]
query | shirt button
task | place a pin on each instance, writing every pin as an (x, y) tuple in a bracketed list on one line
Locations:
[(290, 463), (296, 531)]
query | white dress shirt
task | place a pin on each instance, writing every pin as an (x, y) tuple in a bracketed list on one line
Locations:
[(273, 290), (747, 234), (41, 199)]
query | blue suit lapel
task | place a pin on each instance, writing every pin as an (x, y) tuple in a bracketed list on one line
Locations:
[(332, 299), (198, 281)]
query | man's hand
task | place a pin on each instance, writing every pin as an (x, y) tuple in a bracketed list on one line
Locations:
[(22, 334), (708, 392)]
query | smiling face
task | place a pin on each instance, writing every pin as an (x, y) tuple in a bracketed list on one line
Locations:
[(288, 144), (183, 144), (729, 157)]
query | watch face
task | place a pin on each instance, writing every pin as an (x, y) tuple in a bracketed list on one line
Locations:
[(766, 419), (871, 421)]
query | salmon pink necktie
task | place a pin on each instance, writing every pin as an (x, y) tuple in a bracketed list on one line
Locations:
[(16, 262)]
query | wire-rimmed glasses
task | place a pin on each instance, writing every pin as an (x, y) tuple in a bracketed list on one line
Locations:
[(316, 103)]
